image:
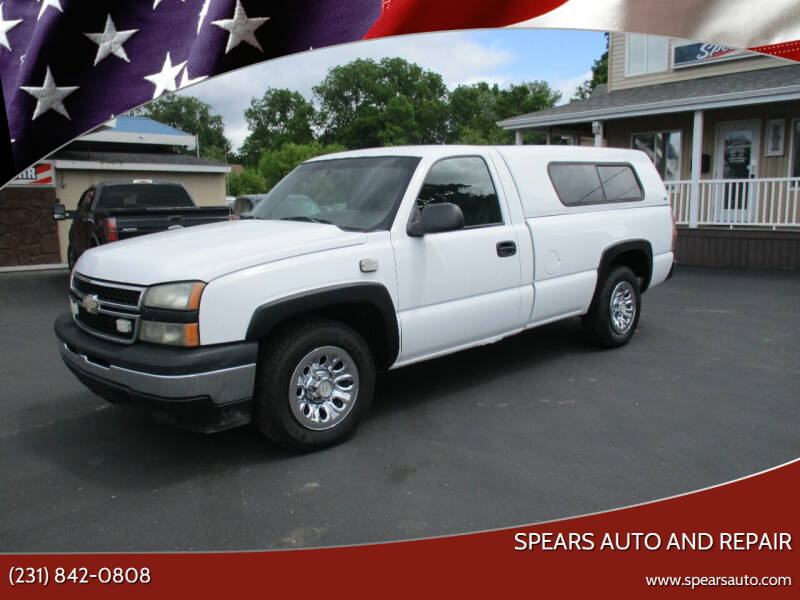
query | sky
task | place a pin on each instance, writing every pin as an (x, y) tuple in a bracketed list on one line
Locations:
[(562, 58)]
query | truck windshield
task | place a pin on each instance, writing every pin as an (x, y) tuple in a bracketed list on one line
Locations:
[(147, 195), (360, 194)]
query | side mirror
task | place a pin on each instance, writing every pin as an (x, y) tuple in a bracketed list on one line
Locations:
[(436, 218), (60, 213)]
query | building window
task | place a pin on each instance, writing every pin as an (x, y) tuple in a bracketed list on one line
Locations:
[(664, 149), (795, 164), (645, 54)]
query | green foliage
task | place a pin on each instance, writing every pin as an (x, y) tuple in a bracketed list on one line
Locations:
[(474, 109), (599, 76), (280, 116), (366, 103), (276, 164), (249, 181), (473, 114), (192, 116), (391, 102)]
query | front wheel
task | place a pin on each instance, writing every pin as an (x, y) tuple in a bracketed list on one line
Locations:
[(315, 382), (614, 312)]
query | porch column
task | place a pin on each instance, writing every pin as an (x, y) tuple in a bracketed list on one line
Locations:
[(518, 137), (597, 129), (697, 166), (549, 136)]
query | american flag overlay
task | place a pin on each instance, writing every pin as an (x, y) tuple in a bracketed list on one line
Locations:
[(67, 66)]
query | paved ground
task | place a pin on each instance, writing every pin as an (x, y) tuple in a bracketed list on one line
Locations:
[(536, 427)]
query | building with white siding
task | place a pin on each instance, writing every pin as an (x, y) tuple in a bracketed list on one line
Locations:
[(723, 129)]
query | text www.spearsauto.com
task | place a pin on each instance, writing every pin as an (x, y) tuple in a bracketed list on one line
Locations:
[(696, 581)]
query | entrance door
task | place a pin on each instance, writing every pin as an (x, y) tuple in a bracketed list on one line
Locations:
[(738, 149)]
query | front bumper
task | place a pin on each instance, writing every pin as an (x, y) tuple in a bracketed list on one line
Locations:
[(205, 389)]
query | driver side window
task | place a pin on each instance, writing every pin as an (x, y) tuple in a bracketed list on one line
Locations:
[(464, 181)]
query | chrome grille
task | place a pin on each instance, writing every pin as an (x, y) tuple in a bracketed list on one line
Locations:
[(119, 296), (100, 305), (102, 323)]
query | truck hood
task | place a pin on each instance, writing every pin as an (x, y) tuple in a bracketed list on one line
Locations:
[(209, 251)]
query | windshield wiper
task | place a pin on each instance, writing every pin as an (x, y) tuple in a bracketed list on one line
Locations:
[(306, 220)]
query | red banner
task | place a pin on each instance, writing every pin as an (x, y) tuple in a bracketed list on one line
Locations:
[(737, 539), (411, 16)]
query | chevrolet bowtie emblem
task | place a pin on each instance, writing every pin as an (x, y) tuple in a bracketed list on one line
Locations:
[(91, 303)]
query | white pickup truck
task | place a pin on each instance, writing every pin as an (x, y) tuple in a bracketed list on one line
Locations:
[(360, 261)]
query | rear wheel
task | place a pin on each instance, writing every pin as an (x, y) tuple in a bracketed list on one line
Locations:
[(315, 383), (614, 313)]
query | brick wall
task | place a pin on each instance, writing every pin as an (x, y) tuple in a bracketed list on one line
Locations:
[(28, 233)]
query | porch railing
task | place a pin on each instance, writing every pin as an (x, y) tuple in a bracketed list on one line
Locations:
[(772, 202)]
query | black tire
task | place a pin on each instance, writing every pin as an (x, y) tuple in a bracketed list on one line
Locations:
[(275, 416), (71, 258), (599, 324)]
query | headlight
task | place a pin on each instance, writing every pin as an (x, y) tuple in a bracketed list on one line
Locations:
[(173, 334), (175, 296)]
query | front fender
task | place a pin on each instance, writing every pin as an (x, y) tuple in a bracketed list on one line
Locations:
[(268, 316)]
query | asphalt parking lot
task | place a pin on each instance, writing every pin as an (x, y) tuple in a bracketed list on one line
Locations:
[(533, 428)]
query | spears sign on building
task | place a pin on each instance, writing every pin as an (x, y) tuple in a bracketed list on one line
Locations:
[(689, 55)]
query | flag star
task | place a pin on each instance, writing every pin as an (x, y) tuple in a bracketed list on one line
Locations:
[(203, 13), (5, 27), (240, 28), (49, 96), (53, 3), (157, 2), (185, 80), (165, 79), (110, 41)]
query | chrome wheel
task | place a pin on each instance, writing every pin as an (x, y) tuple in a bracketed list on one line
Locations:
[(323, 388), (623, 307)]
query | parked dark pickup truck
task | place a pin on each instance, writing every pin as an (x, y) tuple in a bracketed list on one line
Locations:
[(115, 210)]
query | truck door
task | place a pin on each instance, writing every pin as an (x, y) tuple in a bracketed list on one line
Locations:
[(459, 287)]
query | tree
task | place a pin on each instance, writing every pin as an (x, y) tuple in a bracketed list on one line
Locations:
[(280, 116), (526, 97), (475, 109), (276, 164), (473, 114), (366, 103), (192, 115), (249, 181), (599, 76)]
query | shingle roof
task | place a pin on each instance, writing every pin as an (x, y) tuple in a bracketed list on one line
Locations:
[(133, 157), (689, 92)]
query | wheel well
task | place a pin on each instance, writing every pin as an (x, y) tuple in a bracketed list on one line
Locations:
[(368, 309), (366, 319), (637, 255), (637, 261)]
